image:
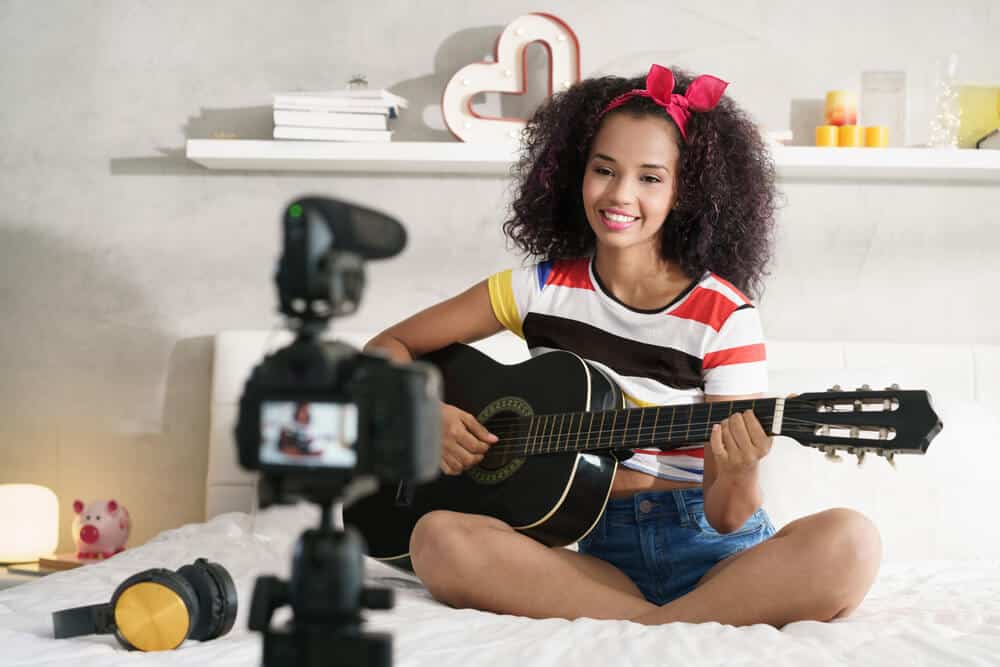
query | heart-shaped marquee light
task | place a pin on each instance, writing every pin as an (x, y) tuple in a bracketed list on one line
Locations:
[(508, 74)]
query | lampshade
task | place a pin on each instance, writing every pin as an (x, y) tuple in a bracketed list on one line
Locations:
[(29, 522)]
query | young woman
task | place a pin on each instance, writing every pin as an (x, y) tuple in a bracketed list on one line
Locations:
[(651, 211)]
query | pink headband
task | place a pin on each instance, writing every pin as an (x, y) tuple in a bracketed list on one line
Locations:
[(702, 95)]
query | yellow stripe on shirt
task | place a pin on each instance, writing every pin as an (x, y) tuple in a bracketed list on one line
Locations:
[(502, 300)]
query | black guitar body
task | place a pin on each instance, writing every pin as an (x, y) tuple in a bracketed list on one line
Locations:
[(553, 498)]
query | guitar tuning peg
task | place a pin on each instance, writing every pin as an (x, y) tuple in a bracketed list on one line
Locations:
[(832, 456), (835, 387), (864, 387), (891, 458), (892, 387), (861, 457)]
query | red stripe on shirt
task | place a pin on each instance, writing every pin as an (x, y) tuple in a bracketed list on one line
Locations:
[(571, 273), (698, 453), (732, 287), (735, 355), (705, 306)]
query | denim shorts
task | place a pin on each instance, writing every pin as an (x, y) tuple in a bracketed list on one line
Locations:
[(662, 541)]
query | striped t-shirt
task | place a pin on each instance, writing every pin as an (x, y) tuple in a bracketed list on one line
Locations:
[(706, 341)]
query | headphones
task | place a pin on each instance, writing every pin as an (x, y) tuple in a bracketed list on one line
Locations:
[(156, 610)]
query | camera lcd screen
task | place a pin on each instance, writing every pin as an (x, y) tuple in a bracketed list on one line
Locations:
[(308, 433)]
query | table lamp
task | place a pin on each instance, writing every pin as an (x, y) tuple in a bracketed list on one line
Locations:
[(29, 522)]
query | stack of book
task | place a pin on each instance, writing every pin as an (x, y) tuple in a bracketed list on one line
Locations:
[(339, 115)]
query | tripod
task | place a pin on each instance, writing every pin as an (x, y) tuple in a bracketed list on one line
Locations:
[(326, 595)]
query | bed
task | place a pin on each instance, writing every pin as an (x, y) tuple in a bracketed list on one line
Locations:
[(936, 600)]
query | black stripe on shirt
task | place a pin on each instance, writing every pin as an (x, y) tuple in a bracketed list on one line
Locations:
[(628, 357)]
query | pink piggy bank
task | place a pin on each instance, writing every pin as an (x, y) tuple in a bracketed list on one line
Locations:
[(100, 528)]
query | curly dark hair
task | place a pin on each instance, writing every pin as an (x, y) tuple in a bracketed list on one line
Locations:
[(723, 220)]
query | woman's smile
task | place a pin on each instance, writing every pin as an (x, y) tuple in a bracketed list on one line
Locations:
[(617, 220)]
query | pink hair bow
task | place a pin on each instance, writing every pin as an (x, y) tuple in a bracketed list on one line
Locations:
[(703, 94)]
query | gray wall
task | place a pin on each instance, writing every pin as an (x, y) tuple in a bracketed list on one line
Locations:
[(119, 259)]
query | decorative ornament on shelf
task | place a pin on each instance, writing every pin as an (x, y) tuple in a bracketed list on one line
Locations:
[(946, 118), (507, 74), (100, 529), (29, 522)]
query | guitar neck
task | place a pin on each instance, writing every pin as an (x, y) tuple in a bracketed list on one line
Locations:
[(662, 427)]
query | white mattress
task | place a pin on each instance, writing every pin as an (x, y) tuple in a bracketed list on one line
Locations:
[(920, 612)]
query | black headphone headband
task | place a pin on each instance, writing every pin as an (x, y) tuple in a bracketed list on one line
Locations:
[(92, 619)]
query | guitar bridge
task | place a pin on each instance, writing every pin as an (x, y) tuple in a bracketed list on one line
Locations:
[(405, 493)]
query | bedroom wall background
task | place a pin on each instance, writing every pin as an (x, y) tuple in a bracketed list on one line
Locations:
[(119, 258)]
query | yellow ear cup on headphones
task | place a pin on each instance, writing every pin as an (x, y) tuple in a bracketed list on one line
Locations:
[(152, 617)]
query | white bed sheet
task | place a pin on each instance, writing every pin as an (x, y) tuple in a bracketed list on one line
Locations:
[(918, 613)]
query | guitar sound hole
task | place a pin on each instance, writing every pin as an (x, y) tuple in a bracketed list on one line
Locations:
[(499, 454), (493, 461)]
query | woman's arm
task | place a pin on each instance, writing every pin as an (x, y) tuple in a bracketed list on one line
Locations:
[(732, 454), (464, 318)]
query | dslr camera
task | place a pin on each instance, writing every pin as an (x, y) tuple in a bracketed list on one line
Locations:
[(316, 415), (322, 421)]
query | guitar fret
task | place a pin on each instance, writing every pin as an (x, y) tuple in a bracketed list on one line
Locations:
[(590, 428), (611, 429), (535, 420), (687, 434), (554, 435), (579, 430), (708, 422), (569, 432), (638, 434), (567, 428), (541, 436), (600, 430), (652, 437), (562, 429)]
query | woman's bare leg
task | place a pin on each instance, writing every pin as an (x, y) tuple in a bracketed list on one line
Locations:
[(479, 562), (819, 567)]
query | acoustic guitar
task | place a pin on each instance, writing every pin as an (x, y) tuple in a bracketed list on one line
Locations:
[(563, 426)]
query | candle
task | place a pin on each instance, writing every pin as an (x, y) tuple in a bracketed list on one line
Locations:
[(841, 107), (826, 135), (850, 136), (876, 136)]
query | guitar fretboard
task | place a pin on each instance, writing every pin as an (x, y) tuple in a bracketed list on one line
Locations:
[(658, 427)]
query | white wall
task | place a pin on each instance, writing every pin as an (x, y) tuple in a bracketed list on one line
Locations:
[(119, 258)]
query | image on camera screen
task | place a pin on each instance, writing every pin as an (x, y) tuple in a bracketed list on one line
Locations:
[(308, 433)]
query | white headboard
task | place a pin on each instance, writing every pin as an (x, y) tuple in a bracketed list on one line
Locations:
[(935, 506)]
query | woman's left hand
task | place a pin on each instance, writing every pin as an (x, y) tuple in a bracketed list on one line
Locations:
[(739, 443)]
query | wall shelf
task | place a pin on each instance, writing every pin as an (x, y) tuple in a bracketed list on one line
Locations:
[(794, 163)]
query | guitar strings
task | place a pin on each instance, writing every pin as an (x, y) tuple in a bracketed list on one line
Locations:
[(791, 405), (601, 444), (700, 433), (520, 433), (516, 435)]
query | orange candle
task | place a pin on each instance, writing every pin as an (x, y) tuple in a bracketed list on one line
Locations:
[(826, 135), (876, 136), (850, 136)]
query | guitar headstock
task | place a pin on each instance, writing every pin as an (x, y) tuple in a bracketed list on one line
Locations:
[(886, 422)]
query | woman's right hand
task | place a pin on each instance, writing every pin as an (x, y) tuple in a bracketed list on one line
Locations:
[(464, 441)]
